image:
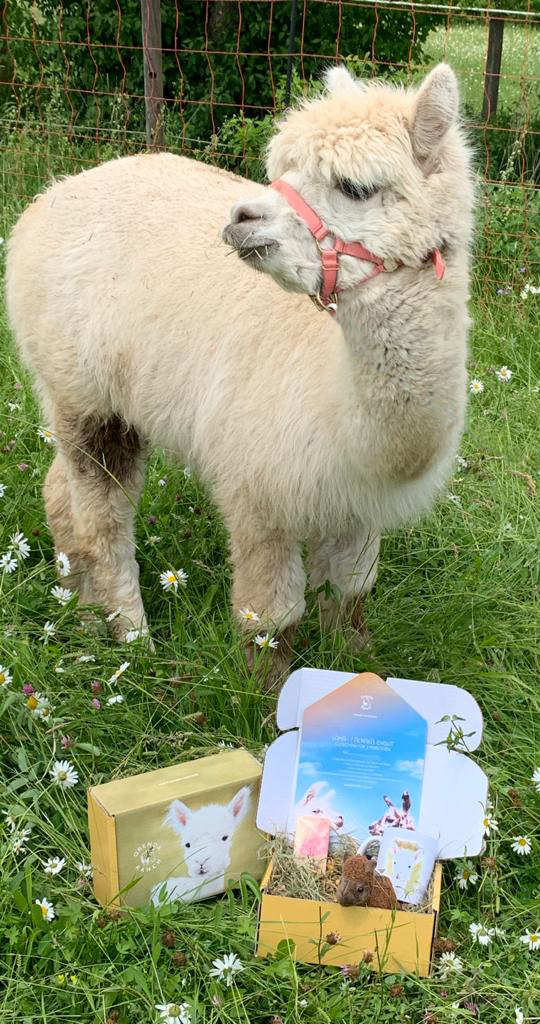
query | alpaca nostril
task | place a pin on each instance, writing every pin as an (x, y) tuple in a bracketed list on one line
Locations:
[(244, 212)]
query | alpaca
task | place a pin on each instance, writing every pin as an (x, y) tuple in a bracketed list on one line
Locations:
[(206, 836), (318, 799), (142, 331)]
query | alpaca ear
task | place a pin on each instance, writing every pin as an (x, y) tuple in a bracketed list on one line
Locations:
[(338, 80), (240, 803), (370, 865), (436, 110), (177, 816)]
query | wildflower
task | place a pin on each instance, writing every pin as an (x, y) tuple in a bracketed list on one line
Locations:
[(187, 472), (154, 538), (84, 869), (521, 844), (83, 658), (22, 467), (115, 699), (147, 855), (46, 435), (164, 481), (333, 938), (54, 865), (20, 545), (13, 406), (10, 821), (19, 840), (503, 374), (449, 964), (462, 463), (49, 630), (264, 640), (529, 289), (39, 706), (531, 939), (2, 490), (225, 969), (95, 703), (174, 1013), (5, 676), (46, 908), (59, 668), (133, 634), (7, 562), (64, 774), (172, 579), (481, 934), (466, 875), (61, 979), (519, 1015), (536, 778), (476, 387), (66, 742), (248, 615), (63, 564), (350, 971), (61, 594), (490, 825), (119, 671), (95, 686)]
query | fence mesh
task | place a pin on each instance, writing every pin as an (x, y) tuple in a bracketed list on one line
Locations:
[(72, 90)]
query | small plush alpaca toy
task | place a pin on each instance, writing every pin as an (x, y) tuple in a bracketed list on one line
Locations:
[(361, 886)]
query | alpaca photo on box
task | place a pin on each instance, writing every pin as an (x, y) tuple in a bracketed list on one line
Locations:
[(307, 427)]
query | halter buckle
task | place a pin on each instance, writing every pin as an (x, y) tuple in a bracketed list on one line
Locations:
[(329, 307)]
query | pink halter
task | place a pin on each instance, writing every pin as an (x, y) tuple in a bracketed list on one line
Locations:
[(327, 296)]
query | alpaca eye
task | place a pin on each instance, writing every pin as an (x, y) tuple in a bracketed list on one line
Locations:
[(224, 838), (188, 845), (353, 191)]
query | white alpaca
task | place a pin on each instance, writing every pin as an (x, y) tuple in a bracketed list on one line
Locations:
[(206, 836), (142, 330), (318, 799)]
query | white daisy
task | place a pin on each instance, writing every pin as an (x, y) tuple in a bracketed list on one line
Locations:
[(64, 774), (226, 968), (519, 1015), (481, 934), (172, 579), (521, 844), (39, 706), (154, 538), (84, 869), (503, 374), (49, 630), (13, 406), (54, 865), (174, 1013), (46, 435), (462, 463), (20, 545), (476, 386), (466, 875), (63, 564), (62, 594), (19, 840), (115, 699), (449, 964), (113, 615), (2, 490), (9, 821), (46, 908), (536, 778), (264, 640), (531, 939), (119, 671), (133, 634), (248, 615), (489, 825), (83, 658), (163, 481), (8, 563), (5, 676)]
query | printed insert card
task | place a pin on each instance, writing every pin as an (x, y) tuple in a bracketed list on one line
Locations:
[(361, 760)]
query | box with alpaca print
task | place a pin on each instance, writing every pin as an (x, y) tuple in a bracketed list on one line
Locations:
[(178, 833), (386, 763)]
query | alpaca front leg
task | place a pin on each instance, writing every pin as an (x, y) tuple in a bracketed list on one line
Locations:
[(269, 580), (349, 564)]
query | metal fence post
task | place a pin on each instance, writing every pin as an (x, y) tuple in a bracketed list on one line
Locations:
[(493, 68), (292, 40), (153, 71)]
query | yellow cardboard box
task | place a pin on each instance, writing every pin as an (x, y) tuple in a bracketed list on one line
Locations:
[(182, 832)]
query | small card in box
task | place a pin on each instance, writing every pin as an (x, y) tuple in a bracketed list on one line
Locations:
[(182, 832)]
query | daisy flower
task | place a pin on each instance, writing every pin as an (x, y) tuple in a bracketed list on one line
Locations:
[(521, 844), (9, 821), (490, 825), (84, 869), (462, 463), (531, 939), (62, 594), (5, 676), (83, 658), (2, 490), (476, 386), (264, 640), (46, 435), (174, 1013), (503, 374), (49, 630), (39, 706), (133, 634), (154, 538), (46, 908), (172, 579), (481, 934), (119, 671), (64, 774), (450, 964), (536, 778), (7, 562), (19, 840), (248, 615), (226, 968), (54, 865), (63, 564), (115, 699), (466, 875), (519, 1015), (20, 545)]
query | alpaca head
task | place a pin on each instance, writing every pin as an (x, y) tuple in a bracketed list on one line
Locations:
[(206, 834), (384, 166)]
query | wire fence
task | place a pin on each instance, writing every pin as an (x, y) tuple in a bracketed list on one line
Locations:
[(81, 82)]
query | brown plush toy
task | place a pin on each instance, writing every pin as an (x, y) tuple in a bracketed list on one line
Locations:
[(361, 886)]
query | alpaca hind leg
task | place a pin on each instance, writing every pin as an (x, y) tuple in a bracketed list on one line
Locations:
[(57, 497), (349, 564), (105, 472)]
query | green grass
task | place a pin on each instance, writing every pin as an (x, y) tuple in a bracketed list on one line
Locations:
[(457, 600)]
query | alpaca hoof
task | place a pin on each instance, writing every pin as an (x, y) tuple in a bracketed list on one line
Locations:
[(272, 666)]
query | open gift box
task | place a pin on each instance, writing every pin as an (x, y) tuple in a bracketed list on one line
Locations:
[(452, 806)]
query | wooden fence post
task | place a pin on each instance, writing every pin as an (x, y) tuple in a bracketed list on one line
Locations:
[(153, 71), (493, 68)]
